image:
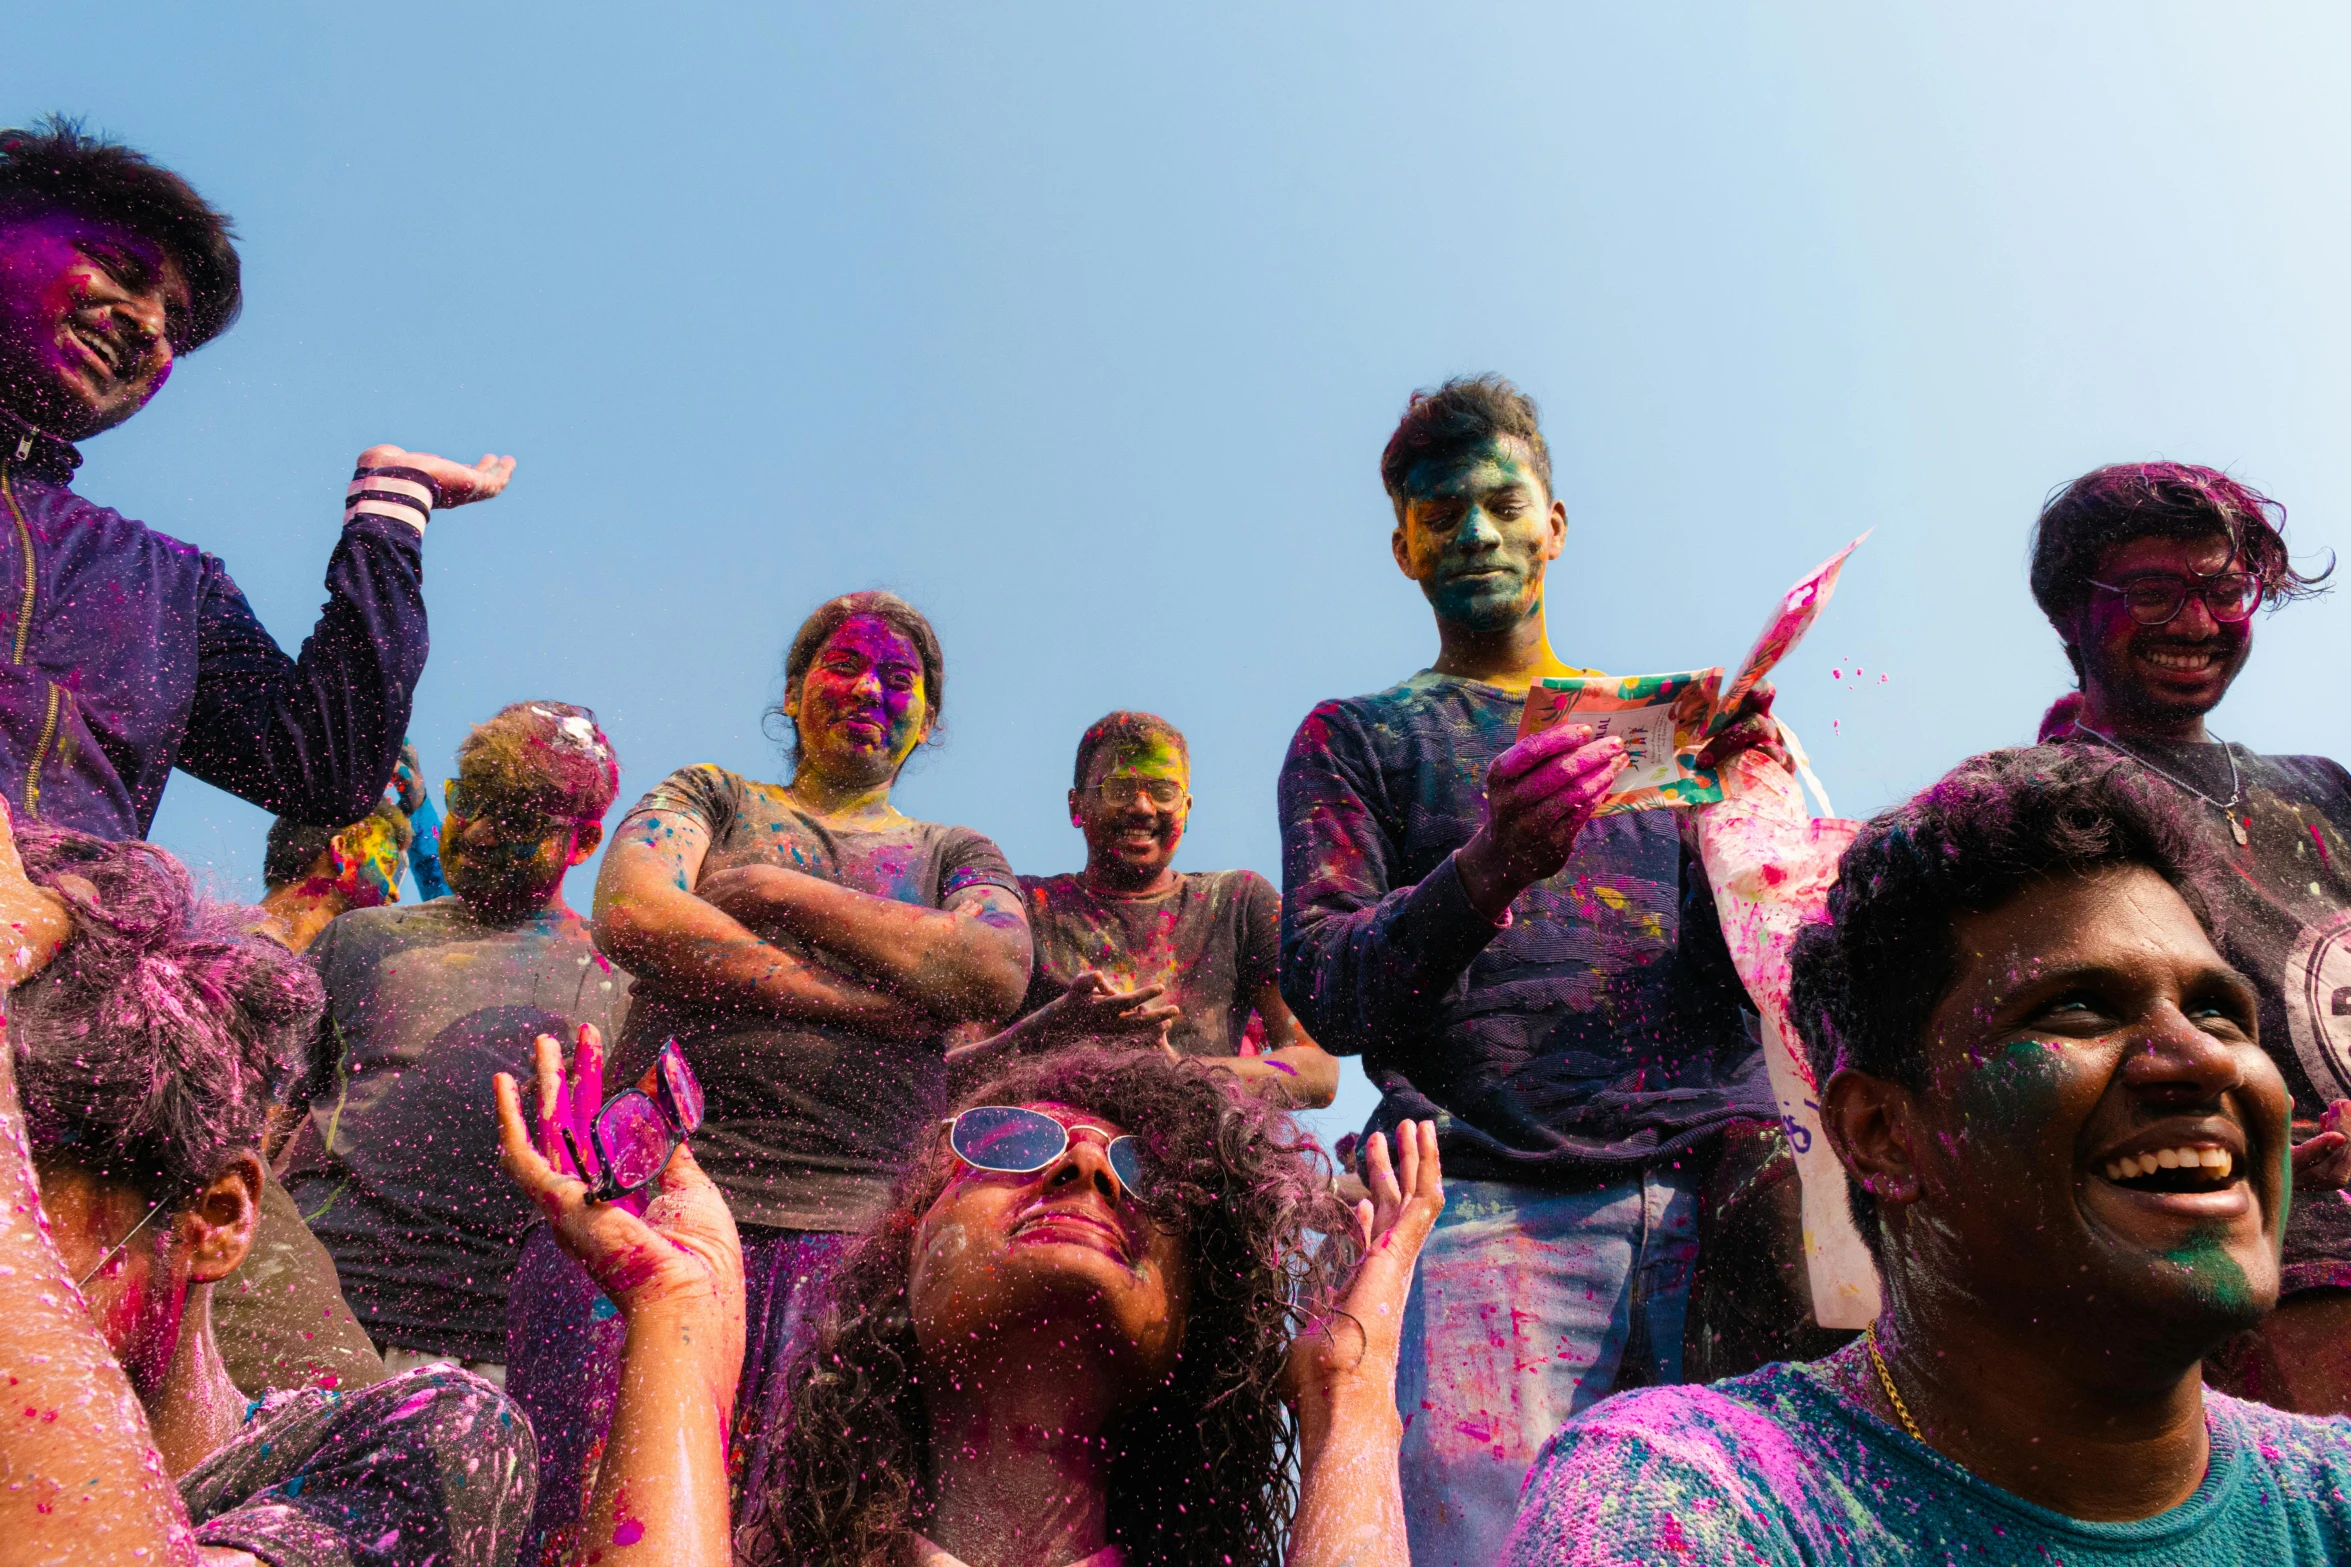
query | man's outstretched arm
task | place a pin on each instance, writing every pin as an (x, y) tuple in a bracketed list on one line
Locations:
[(317, 737)]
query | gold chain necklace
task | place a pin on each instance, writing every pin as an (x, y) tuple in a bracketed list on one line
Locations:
[(1886, 1381)]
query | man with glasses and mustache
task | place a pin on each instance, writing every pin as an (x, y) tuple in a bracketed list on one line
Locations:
[(123, 653), (394, 1165), (2150, 573), (1132, 949)]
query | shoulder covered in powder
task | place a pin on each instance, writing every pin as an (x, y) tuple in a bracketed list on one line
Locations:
[(2308, 1456), (1662, 1475)]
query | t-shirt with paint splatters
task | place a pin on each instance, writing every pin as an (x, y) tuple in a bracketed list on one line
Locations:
[(1600, 1031), (435, 1468), (1778, 1467), (1214, 941), (395, 1166), (2281, 906), (804, 1125)]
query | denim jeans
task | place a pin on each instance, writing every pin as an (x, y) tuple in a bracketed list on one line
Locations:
[(1530, 1304)]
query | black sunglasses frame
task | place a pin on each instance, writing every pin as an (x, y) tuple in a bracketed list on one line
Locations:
[(672, 1115)]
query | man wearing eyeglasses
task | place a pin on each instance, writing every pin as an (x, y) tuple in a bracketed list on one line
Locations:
[(1132, 949), (2150, 573), (394, 1166)]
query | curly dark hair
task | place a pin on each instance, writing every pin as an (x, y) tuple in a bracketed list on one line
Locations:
[(2123, 501), (1455, 420), (54, 165), (151, 1047), (1866, 981), (1203, 1475)]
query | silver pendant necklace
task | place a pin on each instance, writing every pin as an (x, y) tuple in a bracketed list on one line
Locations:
[(2227, 809)]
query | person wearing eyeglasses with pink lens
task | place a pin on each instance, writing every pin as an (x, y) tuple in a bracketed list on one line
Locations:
[(1112, 1316), (2151, 574)]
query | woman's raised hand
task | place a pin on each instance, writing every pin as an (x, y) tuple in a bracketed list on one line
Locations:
[(683, 1255), (1356, 1345)]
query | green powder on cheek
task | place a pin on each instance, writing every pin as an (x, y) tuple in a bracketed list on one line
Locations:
[(2217, 1279), (2010, 1091)]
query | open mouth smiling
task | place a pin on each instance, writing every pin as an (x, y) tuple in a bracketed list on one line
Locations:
[(2185, 661), (2181, 1167)]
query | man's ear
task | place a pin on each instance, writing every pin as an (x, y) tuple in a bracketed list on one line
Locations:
[(1401, 547), (1075, 820), (1558, 530), (338, 855), (221, 1221), (585, 841), (1870, 1123)]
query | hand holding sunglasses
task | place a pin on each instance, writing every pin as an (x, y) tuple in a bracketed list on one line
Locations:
[(620, 1146), (668, 1238)]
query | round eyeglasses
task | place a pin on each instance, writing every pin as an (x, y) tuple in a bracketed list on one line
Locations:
[(2157, 600), (1129, 789), (1010, 1140)]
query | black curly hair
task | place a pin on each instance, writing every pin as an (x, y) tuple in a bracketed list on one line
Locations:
[(53, 164), (1203, 1475), (1455, 421), (1866, 982), (2107, 507)]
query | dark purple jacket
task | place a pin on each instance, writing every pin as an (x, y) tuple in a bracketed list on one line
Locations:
[(124, 654)]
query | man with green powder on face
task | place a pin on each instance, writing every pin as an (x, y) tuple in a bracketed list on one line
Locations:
[(1551, 988), (2072, 1160), (1132, 949)]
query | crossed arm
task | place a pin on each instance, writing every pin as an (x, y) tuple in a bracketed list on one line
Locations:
[(925, 969)]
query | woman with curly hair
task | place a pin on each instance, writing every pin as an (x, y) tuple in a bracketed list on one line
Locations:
[(1112, 1317)]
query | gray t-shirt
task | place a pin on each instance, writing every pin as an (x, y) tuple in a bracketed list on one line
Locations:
[(804, 1125), (1214, 940), (396, 1164)]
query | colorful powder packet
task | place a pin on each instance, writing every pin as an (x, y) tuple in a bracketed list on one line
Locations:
[(1665, 721), (1662, 720)]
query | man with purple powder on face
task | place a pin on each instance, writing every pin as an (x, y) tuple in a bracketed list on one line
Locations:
[(2151, 572), (128, 653), (1552, 989)]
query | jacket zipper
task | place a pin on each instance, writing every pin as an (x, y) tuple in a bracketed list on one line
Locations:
[(24, 632)]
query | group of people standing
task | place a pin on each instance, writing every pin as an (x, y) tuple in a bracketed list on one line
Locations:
[(954, 1216)]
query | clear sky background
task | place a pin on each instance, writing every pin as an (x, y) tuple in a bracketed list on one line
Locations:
[(1082, 326)]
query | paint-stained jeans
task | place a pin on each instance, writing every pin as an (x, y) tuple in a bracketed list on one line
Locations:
[(1530, 1304)]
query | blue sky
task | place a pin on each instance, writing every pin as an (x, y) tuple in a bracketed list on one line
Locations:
[(1082, 326)]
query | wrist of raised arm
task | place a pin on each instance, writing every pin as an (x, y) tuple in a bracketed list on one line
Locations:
[(1350, 1405)]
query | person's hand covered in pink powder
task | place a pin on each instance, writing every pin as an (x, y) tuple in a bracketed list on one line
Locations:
[(1751, 728), (2323, 1162), (1341, 1373), (681, 1260), (1355, 1347)]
